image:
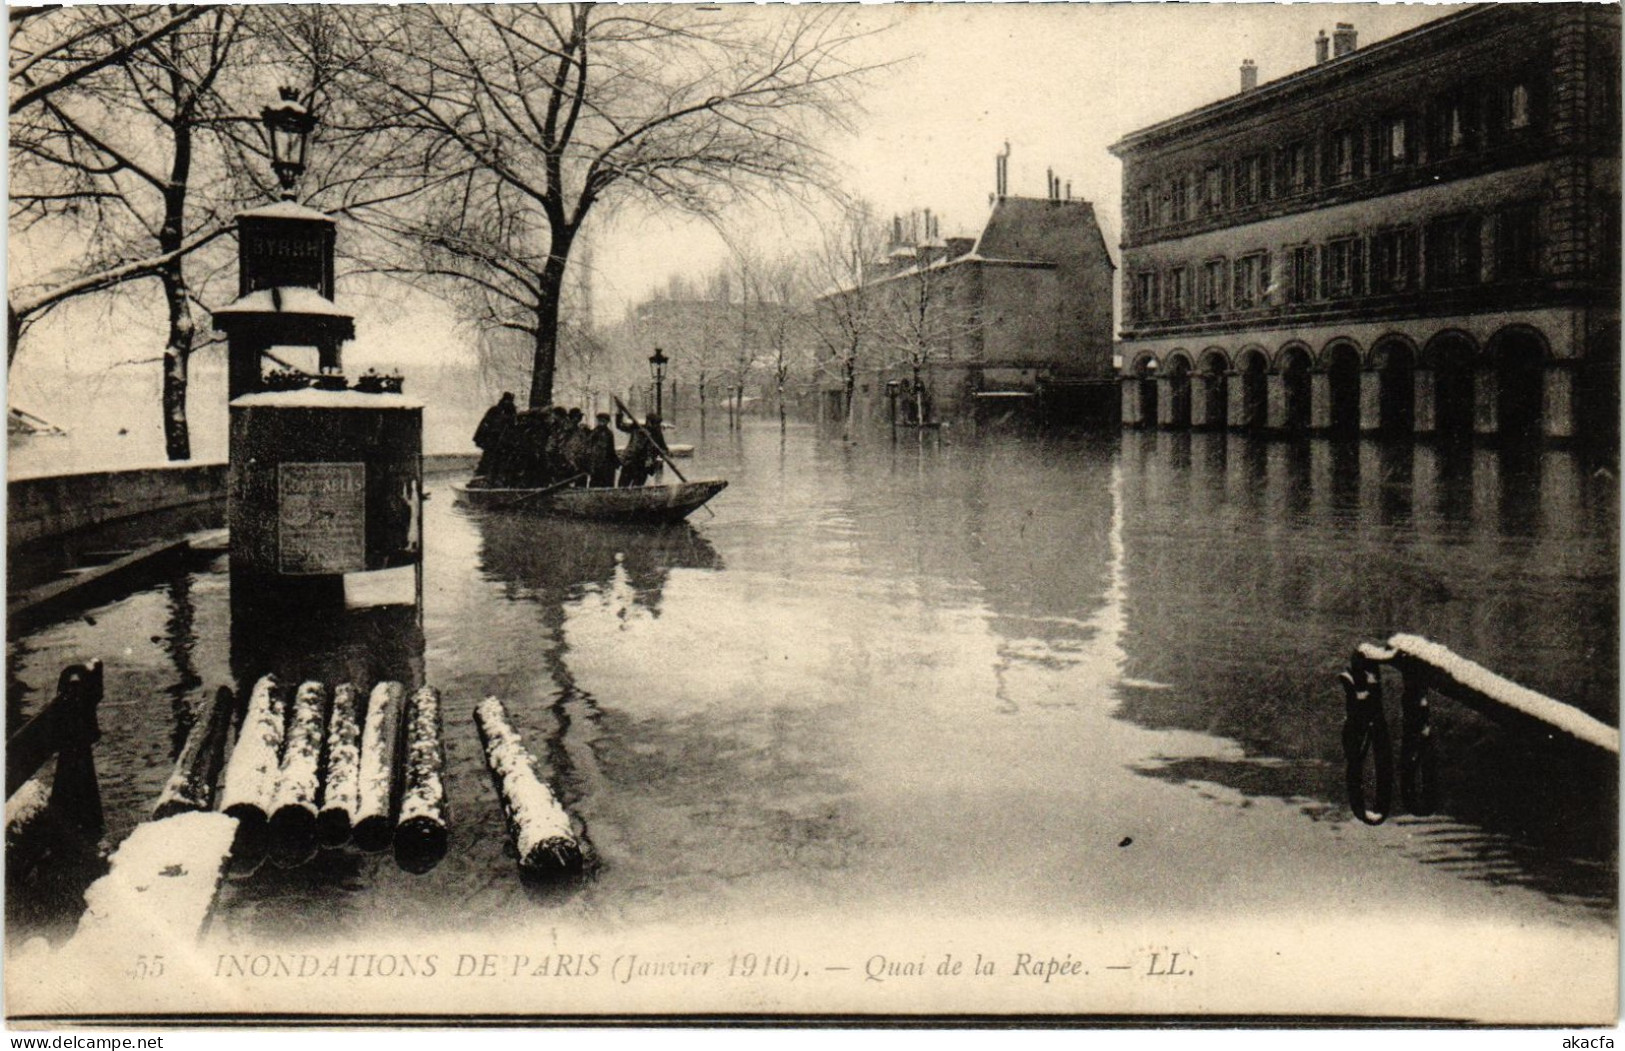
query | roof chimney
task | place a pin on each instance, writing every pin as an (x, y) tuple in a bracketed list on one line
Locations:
[(1343, 39), (1323, 48), (1249, 75)]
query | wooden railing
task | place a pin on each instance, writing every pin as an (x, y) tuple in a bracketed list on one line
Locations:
[(1423, 666)]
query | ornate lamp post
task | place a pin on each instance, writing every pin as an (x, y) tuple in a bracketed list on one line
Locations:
[(288, 125), (657, 372)]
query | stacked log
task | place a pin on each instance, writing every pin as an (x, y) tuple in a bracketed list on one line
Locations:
[(292, 828), (191, 784), (543, 837), (252, 774), (380, 749), (420, 833), (341, 796)]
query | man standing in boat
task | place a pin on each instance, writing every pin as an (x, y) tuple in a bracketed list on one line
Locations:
[(601, 459), (488, 435), (643, 450)]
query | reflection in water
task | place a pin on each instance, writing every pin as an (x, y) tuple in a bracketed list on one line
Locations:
[(179, 638), (552, 563), (880, 665), (1467, 546), (323, 641)]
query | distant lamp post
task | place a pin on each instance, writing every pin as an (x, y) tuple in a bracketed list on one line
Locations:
[(657, 372), (289, 125)]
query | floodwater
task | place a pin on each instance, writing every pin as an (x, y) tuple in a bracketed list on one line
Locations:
[(1073, 683)]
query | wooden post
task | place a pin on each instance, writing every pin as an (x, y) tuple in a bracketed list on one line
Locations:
[(1418, 760), (341, 795), (380, 755), (543, 838), (1365, 733), (252, 771), (66, 728), (420, 834), (191, 784), (292, 828)]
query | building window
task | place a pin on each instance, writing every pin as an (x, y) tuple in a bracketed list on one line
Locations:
[(1213, 272), (1453, 125), (1213, 190), (1295, 168), (1393, 261), (1249, 180), (1301, 274), (1179, 199), (1452, 252), (1145, 295), (1517, 250), (1147, 208), (1177, 292), (1342, 157), (1396, 142), (1251, 280), (1518, 106), (1342, 268)]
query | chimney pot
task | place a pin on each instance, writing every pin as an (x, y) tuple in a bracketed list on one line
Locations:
[(1344, 39), (1249, 75), (1323, 48)]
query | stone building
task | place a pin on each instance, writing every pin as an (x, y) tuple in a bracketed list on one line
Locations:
[(1421, 236), (1019, 316)]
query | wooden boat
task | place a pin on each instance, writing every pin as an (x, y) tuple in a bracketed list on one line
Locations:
[(642, 503)]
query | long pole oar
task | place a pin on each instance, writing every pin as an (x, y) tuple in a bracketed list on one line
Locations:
[(656, 445)]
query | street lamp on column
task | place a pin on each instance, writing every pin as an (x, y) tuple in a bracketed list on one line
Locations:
[(657, 372), (288, 125)]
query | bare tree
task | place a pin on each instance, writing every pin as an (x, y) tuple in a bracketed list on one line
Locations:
[(107, 152), (774, 290), (544, 112), (926, 315), (845, 312)]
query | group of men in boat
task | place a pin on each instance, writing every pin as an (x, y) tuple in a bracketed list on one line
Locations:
[(536, 448)]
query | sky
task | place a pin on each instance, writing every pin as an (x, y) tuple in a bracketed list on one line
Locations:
[(1059, 81)]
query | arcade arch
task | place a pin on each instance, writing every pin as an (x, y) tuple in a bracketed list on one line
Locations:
[(1294, 365), (1450, 356), (1252, 367), (1341, 360), (1394, 359), (1179, 389)]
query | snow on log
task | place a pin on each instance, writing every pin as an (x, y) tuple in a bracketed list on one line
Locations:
[(380, 757), (1504, 693), (341, 793), (160, 886), (292, 829), (251, 773), (420, 834), (191, 784), (25, 815), (542, 835)]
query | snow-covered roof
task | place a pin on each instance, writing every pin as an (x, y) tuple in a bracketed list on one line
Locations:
[(324, 399), (286, 210), (294, 299)]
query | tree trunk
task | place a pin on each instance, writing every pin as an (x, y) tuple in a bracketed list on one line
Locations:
[(177, 365), (544, 364), (182, 332), (849, 381), (14, 332)]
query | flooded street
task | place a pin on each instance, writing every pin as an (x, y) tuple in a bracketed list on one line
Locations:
[(1078, 687)]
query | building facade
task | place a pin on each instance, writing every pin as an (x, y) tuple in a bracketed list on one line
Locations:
[(1418, 237), (1020, 314)]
